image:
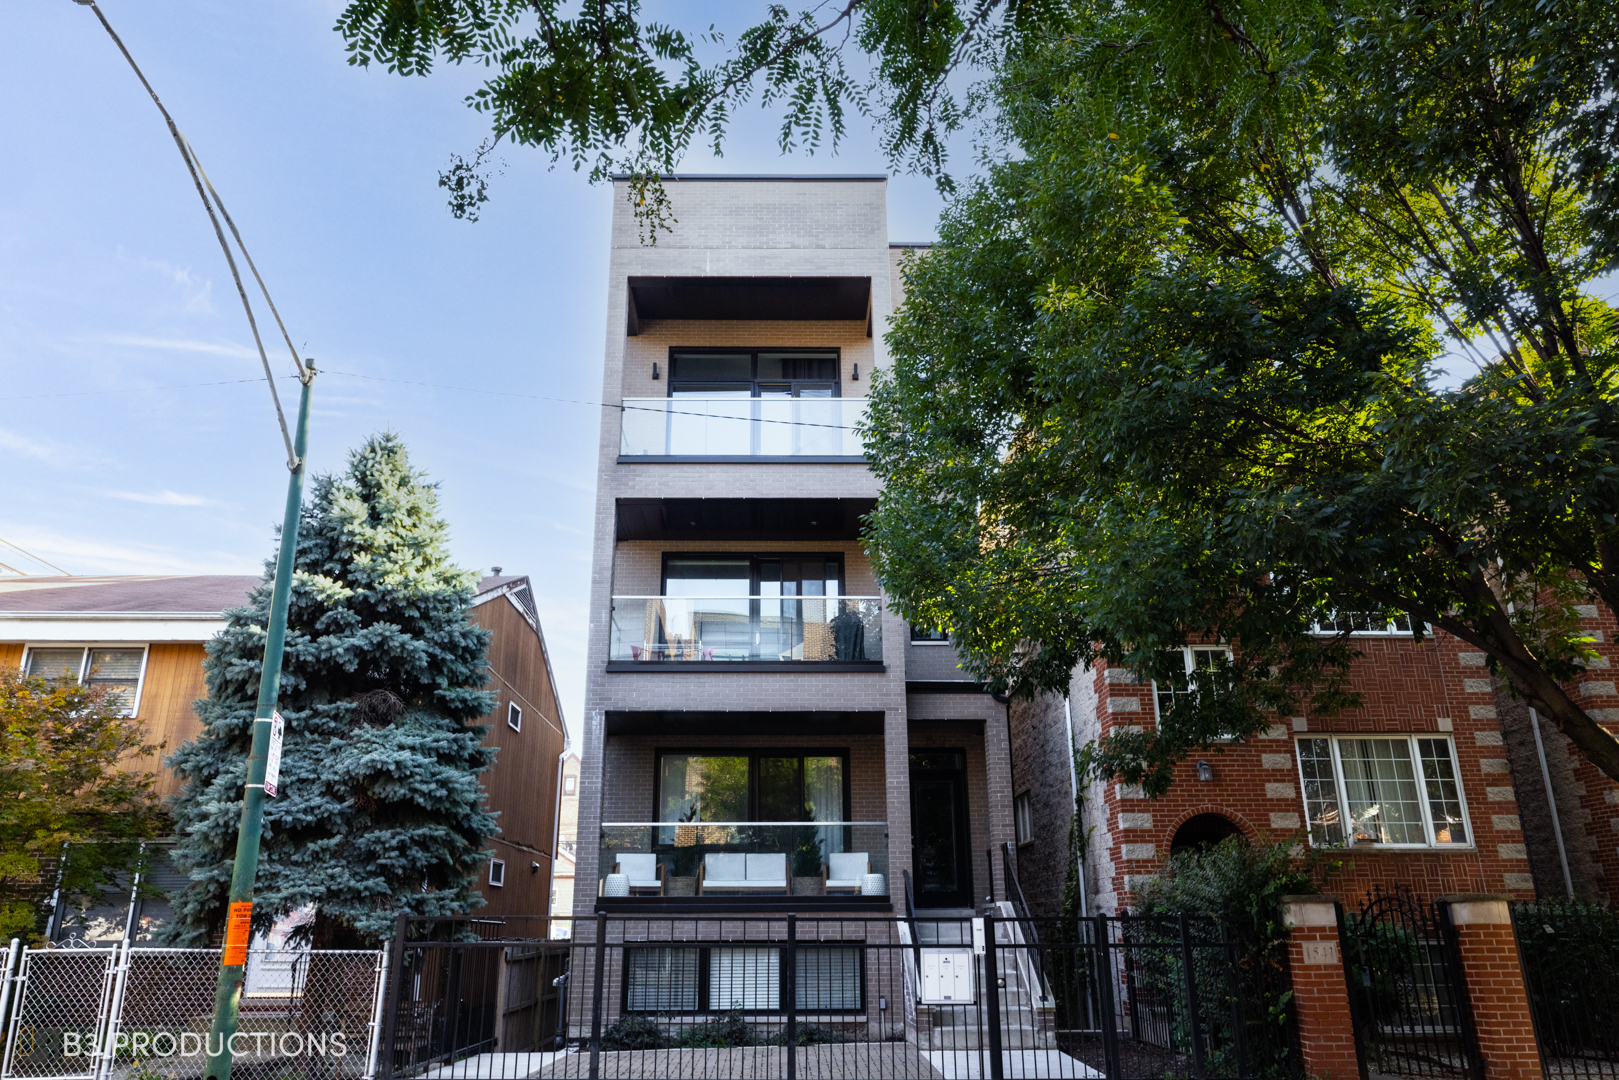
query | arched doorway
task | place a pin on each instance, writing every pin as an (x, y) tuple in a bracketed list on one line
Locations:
[(1202, 830)]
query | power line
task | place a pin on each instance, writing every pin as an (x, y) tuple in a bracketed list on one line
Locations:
[(200, 178), (34, 557), (598, 404), (134, 389)]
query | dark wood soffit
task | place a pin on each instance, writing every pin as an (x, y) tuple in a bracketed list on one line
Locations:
[(795, 299), (805, 520)]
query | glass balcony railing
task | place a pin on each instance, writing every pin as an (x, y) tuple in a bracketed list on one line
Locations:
[(744, 858), (690, 426), (741, 628)]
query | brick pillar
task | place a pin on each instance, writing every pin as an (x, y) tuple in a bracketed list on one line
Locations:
[(1494, 980), (1320, 992)]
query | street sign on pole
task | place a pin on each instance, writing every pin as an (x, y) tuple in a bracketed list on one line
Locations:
[(239, 921)]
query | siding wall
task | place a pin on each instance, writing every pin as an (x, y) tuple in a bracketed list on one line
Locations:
[(522, 784)]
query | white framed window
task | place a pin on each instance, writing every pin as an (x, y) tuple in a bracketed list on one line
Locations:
[(1193, 659), (1386, 623), (1023, 818), (570, 784), (497, 873), (1383, 790), (121, 669), (514, 716)]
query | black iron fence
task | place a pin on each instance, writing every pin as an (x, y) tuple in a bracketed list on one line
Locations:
[(1407, 990), (784, 996), (1570, 956)]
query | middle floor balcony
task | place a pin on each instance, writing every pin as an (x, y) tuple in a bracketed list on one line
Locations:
[(838, 632)]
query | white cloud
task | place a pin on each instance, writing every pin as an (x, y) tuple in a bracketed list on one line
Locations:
[(26, 447), (195, 292), (161, 498), (89, 555), (213, 348)]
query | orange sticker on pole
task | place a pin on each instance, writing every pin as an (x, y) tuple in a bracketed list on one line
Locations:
[(238, 932)]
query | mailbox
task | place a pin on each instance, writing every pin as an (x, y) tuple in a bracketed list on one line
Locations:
[(947, 977)]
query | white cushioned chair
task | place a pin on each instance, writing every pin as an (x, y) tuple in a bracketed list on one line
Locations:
[(845, 872), (644, 872), (736, 872)]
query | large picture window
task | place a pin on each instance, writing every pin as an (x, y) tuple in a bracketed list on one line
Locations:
[(786, 397), (119, 670), (830, 979), (780, 786), (1396, 791)]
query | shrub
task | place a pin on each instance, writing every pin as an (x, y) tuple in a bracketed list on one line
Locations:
[(1242, 885), (633, 1032), (726, 1029), (809, 1035)]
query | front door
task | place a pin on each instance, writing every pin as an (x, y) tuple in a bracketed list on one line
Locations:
[(941, 860)]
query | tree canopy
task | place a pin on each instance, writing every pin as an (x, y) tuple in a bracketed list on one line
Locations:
[(1172, 374), (381, 811), (69, 816)]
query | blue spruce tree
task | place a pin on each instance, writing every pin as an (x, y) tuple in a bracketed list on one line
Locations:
[(381, 810)]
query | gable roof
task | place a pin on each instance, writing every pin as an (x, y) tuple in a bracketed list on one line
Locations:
[(190, 594)]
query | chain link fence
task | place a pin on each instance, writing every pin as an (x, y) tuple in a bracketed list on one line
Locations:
[(143, 1014)]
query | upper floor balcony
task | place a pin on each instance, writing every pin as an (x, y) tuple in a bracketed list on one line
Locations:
[(845, 631), (742, 428)]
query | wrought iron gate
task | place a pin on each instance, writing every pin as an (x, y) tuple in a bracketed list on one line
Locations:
[(1408, 997)]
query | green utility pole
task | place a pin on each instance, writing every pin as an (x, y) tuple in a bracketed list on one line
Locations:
[(238, 924)]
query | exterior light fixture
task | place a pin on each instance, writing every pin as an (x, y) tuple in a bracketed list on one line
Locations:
[(654, 371), (1205, 772), (856, 376)]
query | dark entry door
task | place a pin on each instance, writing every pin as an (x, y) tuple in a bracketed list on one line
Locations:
[(942, 862)]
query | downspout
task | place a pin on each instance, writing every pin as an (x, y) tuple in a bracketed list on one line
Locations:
[(1073, 788), (1551, 801)]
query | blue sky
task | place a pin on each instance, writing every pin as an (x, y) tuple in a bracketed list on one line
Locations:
[(111, 283)]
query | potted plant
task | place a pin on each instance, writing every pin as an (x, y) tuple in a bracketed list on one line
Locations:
[(682, 872), (804, 856)]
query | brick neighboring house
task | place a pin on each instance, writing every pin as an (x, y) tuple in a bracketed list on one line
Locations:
[(750, 698), (1430, 712), (146, 635)]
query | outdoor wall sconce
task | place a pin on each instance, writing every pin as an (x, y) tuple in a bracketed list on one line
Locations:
[(534, 868), (1205, 771), (856, 376), (654, 371)]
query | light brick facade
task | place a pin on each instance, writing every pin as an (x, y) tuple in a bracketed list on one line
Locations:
[(765, 228)]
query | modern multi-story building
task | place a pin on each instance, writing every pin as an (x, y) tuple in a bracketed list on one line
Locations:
[(144, 637), (761, 732)]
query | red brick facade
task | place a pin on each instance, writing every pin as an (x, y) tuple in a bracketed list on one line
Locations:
[(1320, 995), (1439, 688), (1490, 967)]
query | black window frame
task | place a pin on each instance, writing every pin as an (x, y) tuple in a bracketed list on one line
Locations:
[(754, 559), (921, 635), (753, 754), (833, 353), (705, 976)]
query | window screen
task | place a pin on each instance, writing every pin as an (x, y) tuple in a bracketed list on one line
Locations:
[(55, 663), (829, 979), (661, 980), (118, 671), (746, 979)]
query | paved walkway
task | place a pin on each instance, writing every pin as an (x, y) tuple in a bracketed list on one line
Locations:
[(838, 1061)]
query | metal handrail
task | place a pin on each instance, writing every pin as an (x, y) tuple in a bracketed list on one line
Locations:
[(750, 596), (1020, 906)]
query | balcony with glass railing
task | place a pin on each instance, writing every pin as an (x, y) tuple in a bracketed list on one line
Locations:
[(744, 629), (749, 861), (737, 428)]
